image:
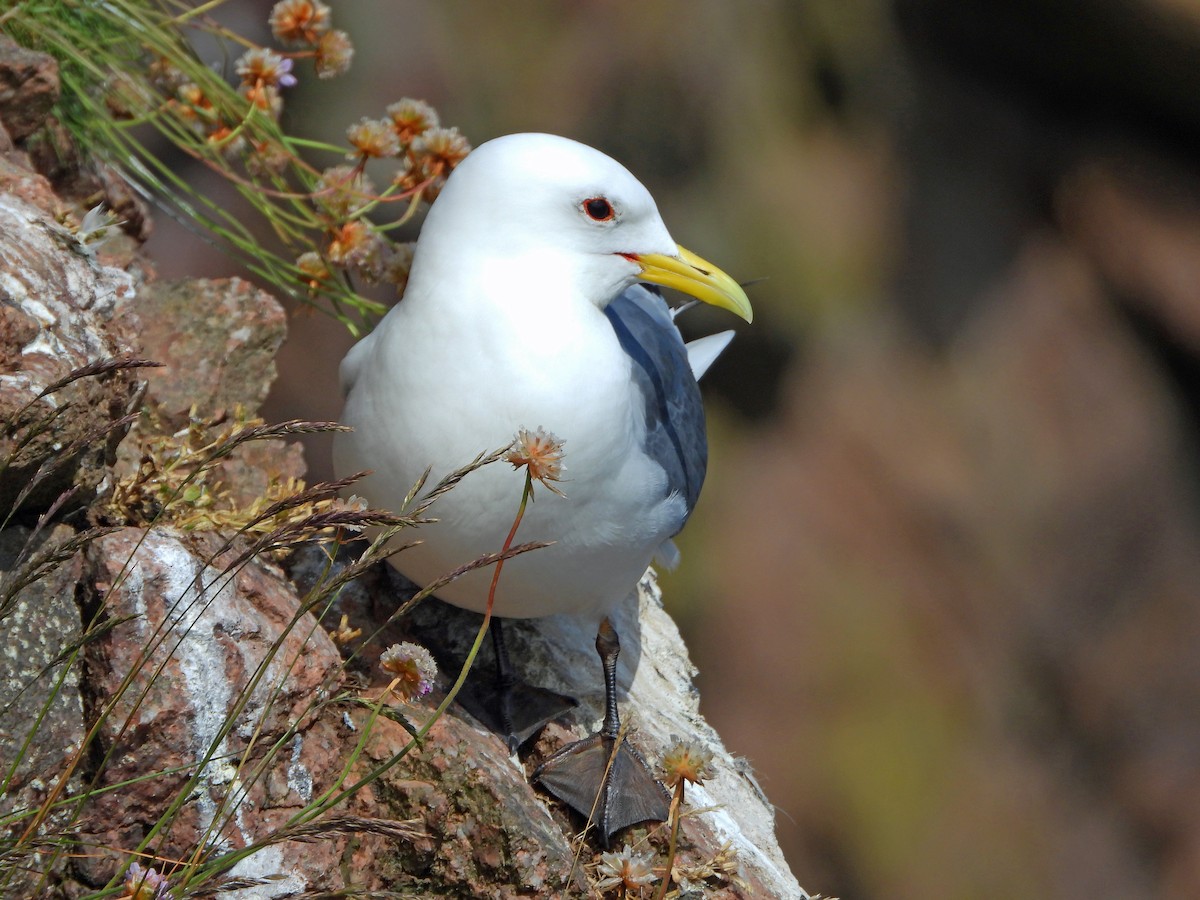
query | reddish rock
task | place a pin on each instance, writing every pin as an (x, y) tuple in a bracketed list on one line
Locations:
[(28, 88), (202, 647), (1143, 235), (217, 341)]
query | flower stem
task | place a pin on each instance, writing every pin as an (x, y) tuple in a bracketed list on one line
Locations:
[(673, 816), (333, 796), (491, 601)]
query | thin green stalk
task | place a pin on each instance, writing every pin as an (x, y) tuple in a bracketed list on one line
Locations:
[(330, 798), (673, 817)]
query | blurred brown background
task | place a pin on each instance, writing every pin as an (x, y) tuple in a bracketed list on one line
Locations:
[(942, 584)]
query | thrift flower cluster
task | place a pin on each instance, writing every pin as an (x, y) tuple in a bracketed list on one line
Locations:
[(413, 668), (144, 884), (409, 136)]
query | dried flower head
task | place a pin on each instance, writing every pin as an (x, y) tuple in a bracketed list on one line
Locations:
[(413, 668), (334, 52), (229, 141), (542, 452), (411, 118), (265, 96), (350, 243), (296, 22), (625, 869), (145, 884), (128, 97), (165, 75), (266, 158), (406, 177), (436, 153), (193, 106), (722, 866), (259, 66), (343, 190), (313, 268), (686, 761), (372, 138), (355, 244)]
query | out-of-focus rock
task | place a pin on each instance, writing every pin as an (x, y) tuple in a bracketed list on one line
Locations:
[(28, 88), (1143, 235)]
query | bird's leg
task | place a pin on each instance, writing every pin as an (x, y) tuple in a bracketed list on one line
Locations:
[(608, 645), (504, 702), (603, 777), (506, 681)]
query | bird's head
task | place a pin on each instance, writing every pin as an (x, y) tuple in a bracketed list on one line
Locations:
[(541, 206)]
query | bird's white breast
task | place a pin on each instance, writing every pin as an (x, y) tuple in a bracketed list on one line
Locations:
[(438, 384)]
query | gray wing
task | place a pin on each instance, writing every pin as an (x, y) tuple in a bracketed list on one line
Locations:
[(675, 434)]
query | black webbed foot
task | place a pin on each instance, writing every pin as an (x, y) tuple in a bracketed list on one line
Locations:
[(506, 705), (603, 777)]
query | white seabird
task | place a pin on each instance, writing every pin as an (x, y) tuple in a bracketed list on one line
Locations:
[(524, 310)]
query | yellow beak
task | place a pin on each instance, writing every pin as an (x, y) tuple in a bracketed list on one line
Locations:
[(689, 273)]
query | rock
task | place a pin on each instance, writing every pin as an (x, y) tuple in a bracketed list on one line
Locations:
[(216, 338), (659, 699), (57, 301), (484, 833), (201, 647), (37, 683), (217, 341), (1143, 238), (28, 88), (976, 577)]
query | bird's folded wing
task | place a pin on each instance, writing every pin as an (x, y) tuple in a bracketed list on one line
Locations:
[(675, 436)]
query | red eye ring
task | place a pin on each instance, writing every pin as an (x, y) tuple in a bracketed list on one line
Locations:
[(598, 209)]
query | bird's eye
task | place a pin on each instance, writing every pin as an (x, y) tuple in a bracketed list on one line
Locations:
[(598, 209)]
